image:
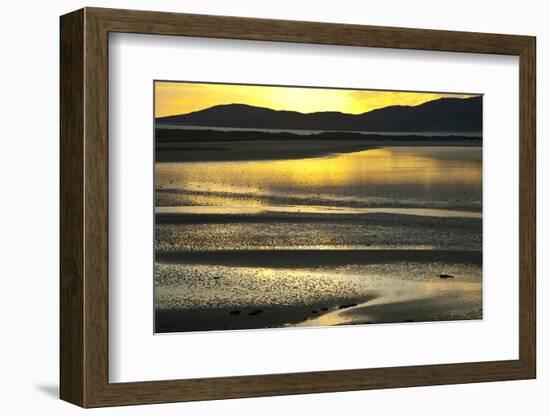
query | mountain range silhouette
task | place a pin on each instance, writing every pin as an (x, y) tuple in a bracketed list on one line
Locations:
[(440, 115)]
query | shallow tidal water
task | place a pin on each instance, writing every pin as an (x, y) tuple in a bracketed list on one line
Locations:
[(430, 177), (395, 200)]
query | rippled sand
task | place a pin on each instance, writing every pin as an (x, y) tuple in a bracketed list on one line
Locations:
[(376, 236), (199, 297)]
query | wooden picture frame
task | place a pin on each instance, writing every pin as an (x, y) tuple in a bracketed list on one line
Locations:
[(84, 207)]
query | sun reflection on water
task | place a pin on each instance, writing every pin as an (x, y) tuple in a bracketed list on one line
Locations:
[(426, 172)]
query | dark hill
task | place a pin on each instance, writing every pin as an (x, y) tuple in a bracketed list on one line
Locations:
[(442, 115)]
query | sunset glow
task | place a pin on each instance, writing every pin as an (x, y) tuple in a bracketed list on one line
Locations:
[(179, 98)]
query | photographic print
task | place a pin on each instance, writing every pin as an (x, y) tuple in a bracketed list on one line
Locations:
[(290, 206)]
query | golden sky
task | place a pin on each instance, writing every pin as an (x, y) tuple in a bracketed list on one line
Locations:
[(179, 98)]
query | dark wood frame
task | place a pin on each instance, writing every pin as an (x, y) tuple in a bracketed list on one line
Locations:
[(84, 209)]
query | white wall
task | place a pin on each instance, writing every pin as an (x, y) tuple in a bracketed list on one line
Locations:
[(29, 220)]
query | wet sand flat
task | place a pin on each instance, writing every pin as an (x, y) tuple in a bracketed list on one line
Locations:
[(346, 236), (247, 294), (281, 258)]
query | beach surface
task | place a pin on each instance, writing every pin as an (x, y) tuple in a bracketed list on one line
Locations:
[(248, 295), (347, 235)]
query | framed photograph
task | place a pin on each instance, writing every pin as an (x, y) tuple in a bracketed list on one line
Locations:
[(365, 211), (255, 207)]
